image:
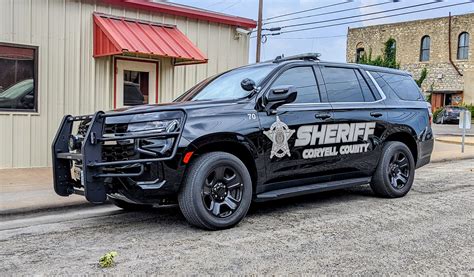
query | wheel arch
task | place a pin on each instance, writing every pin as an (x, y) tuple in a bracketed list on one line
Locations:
[(406, 138), (231, 143)]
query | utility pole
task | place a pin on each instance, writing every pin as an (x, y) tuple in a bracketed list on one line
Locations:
[(259, 30)]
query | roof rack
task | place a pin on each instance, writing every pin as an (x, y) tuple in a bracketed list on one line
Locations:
[(304, 57)]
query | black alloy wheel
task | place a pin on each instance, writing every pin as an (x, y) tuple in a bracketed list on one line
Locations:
[(222, 191), (399, 170), (395, 172), (217, 191)]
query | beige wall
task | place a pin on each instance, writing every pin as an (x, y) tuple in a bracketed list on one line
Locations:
[(441, 74), (71, 81)]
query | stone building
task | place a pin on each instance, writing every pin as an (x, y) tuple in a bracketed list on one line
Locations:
[(443, 45)]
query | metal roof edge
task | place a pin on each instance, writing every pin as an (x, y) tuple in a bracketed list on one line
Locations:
[(185, 11)]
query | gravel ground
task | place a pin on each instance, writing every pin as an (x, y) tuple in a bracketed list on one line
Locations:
[(343, 232)]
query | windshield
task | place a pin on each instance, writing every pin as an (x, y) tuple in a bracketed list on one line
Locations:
[(18, 89), (227, 85)]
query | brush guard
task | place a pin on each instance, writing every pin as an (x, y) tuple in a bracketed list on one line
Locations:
[(92, 176)]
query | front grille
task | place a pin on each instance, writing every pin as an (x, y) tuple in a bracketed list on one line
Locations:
[(83, 127), (121, 151), (115, 128)]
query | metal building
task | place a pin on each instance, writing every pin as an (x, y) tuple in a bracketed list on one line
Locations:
[(62, 57)]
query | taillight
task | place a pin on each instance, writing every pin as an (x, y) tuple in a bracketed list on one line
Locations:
[(430, 113)]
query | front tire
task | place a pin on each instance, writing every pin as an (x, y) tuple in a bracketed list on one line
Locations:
[(396, 171), (217, 191)]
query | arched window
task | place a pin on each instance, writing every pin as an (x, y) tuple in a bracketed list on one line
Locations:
[(463, 46), (425, 49), (360, 51)]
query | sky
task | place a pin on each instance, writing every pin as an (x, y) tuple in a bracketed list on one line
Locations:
[(331, 41)]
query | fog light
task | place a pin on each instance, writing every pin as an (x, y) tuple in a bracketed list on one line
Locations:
[(74, 143)]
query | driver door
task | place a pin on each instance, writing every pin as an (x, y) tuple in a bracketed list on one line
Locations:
[(284, 159)]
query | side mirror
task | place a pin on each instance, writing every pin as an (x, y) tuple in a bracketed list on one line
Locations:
[(278, 96), (248, 84)]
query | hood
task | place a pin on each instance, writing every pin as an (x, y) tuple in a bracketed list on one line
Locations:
[(170, 110), (187, 105)]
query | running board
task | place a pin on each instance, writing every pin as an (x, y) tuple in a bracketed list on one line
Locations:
[(307, 189)]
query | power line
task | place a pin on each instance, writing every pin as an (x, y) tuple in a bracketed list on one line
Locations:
[(375, 18), (230, 6), (331, 12), (308, 10), (361, 15), (335, 36)]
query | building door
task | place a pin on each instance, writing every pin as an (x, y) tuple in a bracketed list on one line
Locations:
[(136, 83)]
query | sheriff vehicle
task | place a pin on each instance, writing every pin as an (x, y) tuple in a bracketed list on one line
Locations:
[(271, 130)]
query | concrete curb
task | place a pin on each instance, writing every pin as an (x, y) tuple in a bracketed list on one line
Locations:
[(470, 157), (454, 142)]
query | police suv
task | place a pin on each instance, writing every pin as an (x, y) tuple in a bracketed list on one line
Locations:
[(271, 130)]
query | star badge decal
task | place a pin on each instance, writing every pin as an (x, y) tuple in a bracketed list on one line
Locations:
[(279, 134)]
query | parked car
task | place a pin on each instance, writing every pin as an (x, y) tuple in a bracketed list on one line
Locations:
[(261, 132), (449, 114), (19, 96), (132, 94)]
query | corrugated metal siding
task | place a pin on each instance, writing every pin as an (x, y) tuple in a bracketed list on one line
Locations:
[(71, 81)]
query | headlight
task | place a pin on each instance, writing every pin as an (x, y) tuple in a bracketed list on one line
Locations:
[(154, 126)]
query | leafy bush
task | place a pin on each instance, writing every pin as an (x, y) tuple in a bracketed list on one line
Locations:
[(387, 59), (423, 75), (436, 112), (470, 107)]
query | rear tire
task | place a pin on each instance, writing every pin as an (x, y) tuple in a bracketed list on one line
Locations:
[(217, 191), (129, 206), (396, 171)]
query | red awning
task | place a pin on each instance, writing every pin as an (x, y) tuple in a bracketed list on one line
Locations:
[(117, 36)]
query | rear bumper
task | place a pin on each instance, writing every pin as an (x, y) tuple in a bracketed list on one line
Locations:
[(86, 170), (425, 148)]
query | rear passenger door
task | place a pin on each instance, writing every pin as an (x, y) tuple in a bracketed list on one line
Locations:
[(359, 112)]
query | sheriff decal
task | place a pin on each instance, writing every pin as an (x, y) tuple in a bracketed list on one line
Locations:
[(343, 134), (279, 134)]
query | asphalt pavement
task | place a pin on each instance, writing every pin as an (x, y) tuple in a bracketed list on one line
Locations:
[(428, 232)]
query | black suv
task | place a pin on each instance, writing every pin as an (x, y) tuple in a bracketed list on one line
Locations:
[(266, 131)]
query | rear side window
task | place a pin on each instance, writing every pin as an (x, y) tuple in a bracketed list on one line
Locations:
[(303, 79), (342, 85), (402, 85)]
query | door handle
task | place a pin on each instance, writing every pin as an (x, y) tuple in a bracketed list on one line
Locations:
[(322, 115), (376, 114)]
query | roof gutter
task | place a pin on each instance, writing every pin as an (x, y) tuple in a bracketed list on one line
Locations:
[(449, 50)]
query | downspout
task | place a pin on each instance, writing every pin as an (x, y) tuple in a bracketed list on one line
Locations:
[(449, 42)]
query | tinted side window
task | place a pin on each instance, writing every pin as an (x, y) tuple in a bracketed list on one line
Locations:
[(367, 93), (403, 85), (303, 79), (342, 84)]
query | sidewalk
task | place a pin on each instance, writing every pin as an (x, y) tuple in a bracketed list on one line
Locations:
[(31, 190), (27, 190), (456, 140)]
